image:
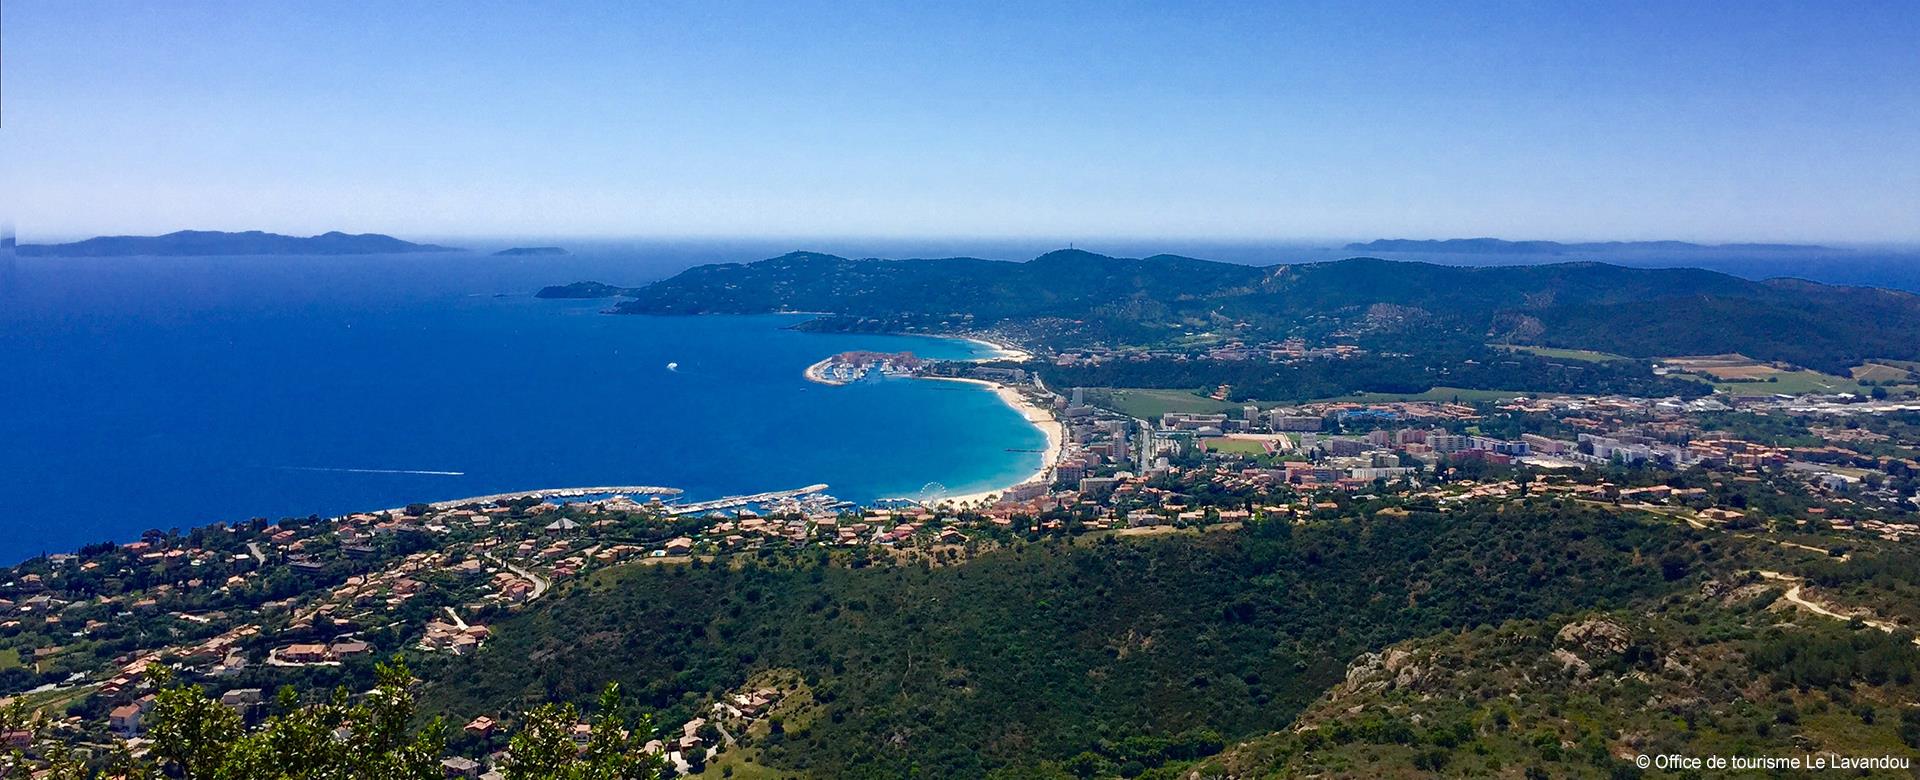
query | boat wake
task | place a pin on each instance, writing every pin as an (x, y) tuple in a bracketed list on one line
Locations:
[(376, 471)]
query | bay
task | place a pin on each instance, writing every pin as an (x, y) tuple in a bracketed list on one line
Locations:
[(142, 393)]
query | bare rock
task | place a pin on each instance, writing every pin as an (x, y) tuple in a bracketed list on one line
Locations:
[(1594, 636)]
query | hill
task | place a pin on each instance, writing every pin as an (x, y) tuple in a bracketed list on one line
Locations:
[(186, 243), (1069, 298), (1495, 246), (531, 251), (1730, 670), (581, 290), (1041, 652)]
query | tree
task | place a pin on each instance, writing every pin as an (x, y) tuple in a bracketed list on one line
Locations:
[(191, 733), (197, 738), (615, 749)]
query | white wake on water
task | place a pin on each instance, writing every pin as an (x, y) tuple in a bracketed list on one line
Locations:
[(376, 471)]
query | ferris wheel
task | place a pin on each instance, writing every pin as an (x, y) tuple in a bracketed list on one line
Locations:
[(931, 493)]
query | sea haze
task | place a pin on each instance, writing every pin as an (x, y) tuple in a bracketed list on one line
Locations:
[(172, 392)]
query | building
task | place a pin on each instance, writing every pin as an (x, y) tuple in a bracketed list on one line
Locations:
[(1280, 421), (459, 766), (126, 719)]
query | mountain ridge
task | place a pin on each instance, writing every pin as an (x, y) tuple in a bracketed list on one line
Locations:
[(187, 243), (1080, 298), (1503, 246)]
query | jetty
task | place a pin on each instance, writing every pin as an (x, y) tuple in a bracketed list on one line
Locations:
[(732, 502), (546, 493)]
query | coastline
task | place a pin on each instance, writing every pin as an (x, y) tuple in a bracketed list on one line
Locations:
[(1037, 417), (1001, 351), (818, 373)]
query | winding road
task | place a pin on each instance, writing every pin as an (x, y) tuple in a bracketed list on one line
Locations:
[(540, 584), (1793, 595)]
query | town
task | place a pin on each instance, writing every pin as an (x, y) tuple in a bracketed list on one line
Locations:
[(246, 608)]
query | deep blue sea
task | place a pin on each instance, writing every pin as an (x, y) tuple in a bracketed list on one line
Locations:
[(142, 393)]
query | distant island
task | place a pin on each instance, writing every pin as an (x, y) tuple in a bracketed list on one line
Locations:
[(531, 251), (581, 290), (1496, 246), (186, 243)]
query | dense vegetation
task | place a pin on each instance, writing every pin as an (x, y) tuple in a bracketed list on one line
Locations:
[(1046, 652), (1722, 671), (1479, 369), (1071, 297), (342, 737)]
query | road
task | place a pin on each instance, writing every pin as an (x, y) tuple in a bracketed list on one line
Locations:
[(540, 584), (1793, 595)]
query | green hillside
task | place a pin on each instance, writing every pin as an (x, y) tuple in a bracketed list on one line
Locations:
[(1074, 297), (1044, 652)]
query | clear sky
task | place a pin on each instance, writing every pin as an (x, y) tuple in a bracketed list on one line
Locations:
[(1576, 120)]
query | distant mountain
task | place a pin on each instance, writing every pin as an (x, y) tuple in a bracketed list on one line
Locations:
[(214, 242), (531, 251), (1069, 298), (1495, 246)]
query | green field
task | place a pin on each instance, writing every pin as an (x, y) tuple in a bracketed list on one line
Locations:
[(1796, 382), (1791, 382), (1884, 371), (740, 764), (1150, 404), (1236, 446), (1587, 355), (9, 658)]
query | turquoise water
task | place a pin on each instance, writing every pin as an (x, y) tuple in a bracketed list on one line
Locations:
[(170, 392)]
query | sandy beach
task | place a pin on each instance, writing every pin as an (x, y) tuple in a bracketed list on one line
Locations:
[(1039, 417), (1001, 351)]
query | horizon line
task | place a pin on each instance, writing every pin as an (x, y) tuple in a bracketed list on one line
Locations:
[(1331, 242)]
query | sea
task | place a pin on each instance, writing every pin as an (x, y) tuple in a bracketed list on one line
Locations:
[(167, 392), (171, 392)]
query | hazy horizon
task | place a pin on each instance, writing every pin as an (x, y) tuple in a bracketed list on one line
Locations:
[(1324, 242)]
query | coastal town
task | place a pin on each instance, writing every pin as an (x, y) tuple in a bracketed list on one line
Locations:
[(245, 608)]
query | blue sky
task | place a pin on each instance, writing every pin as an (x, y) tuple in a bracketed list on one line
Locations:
[(1591, 120)]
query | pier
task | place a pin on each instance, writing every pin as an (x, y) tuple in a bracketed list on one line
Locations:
[(571, 492), (731, 502)]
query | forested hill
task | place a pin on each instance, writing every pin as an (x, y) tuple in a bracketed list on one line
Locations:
[(1045, 651), (1094, 298)]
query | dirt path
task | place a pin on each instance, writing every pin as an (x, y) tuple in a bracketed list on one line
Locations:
[(1795, 596)]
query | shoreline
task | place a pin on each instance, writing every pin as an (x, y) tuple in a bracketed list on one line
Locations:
[(1050, 427), (1036, 416), (817, 373), (1002, 351)]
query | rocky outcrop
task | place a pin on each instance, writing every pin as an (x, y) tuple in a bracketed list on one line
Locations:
[(1392, 669), (1592, 637)]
